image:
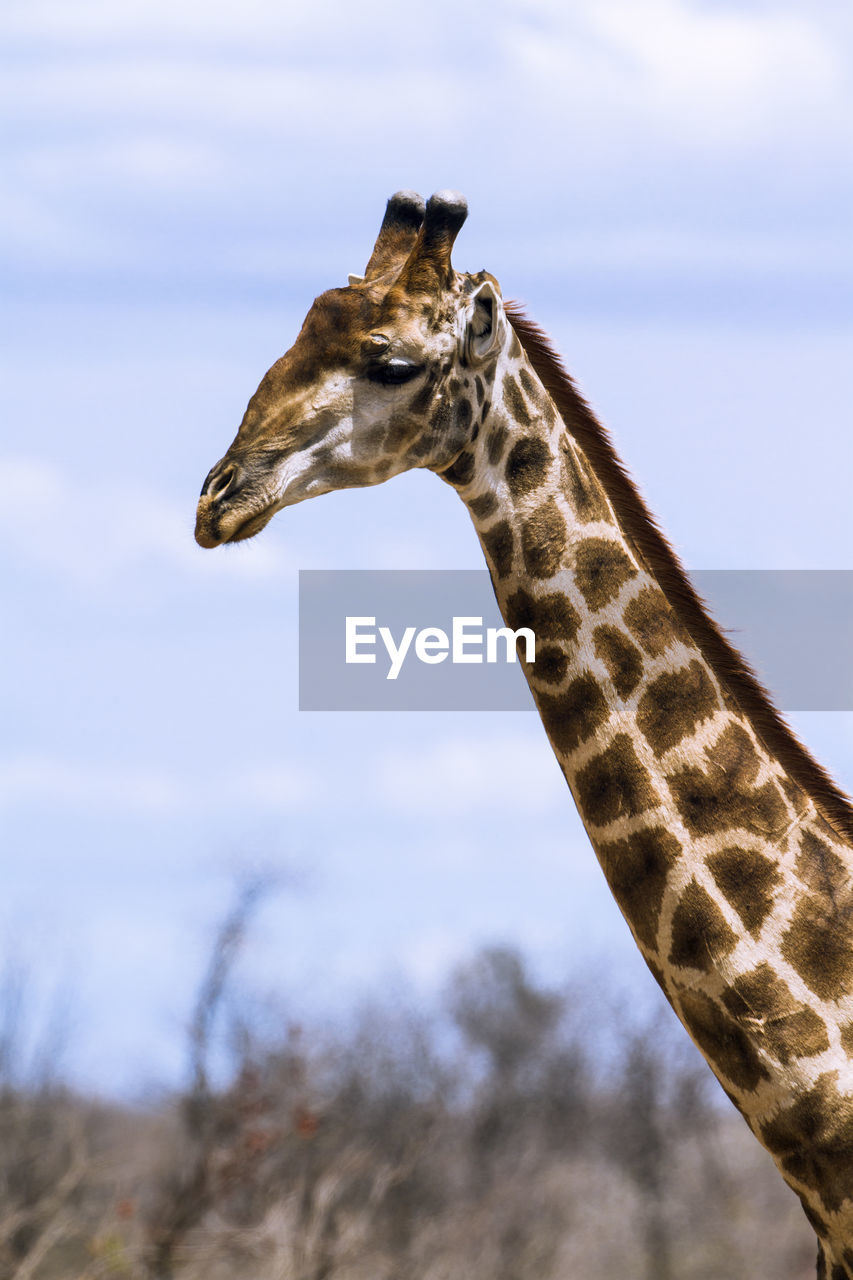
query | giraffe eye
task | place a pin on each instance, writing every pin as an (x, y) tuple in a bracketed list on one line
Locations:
[(391, 373)]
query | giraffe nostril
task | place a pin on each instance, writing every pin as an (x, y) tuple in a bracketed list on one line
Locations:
[(221, 483)]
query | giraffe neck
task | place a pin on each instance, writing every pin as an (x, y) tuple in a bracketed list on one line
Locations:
[(736, 889)]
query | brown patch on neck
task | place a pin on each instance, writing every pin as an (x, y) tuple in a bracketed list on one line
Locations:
[(640, 528)]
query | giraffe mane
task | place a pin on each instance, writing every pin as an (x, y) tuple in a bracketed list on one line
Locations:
[(639, 525)]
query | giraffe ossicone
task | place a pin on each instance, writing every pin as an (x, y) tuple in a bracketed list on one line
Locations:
[(727, 848)]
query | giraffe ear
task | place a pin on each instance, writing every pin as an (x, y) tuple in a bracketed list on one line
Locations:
[(485, 324)]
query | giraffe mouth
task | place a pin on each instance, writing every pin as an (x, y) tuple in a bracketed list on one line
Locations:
[(209, 532), (253, 525)]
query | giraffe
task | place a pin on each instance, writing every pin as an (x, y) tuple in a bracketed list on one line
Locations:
[(728, 849)]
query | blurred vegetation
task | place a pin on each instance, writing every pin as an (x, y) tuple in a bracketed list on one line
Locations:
[(522, 1133)]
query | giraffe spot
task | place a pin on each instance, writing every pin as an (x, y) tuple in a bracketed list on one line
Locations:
[(720, 797), (484, 506), (700, 931), (747, 881), (543, 539), (499, 547), (652, 622), (820, 868), (585, 492), (464, 414), (514, 346), (674, 704), (734, 753), (728, 1049), (551, 664), (764, 1005), (847, 1038), (475, 432), (460, 472), (573, 716), (601, 570), (496, 442), (813, 1140), (479, 388), (484, 412), (515, 402), (623, 660), (550, 617), (454, 386), (529, 385), (817, 945), (637, 870), (615, 784), (527, 465)]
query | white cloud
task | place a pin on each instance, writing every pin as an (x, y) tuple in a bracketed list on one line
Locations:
[(96, 22), (634, 248), (55, 782), (220, 24), (277, 786), (99, 787), (135, 116), (726, 74), (511, 773), (147, 159), (677, 55), (496, 773), (101, 533)]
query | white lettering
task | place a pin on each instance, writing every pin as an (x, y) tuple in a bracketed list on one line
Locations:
[(353, 639), (461, 638), (432, 645), (397, 655), (493, 634)]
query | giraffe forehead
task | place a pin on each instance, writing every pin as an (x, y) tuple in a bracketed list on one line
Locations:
[(347, 327), (333, 333)]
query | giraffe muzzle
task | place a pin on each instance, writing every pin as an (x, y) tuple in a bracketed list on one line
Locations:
[(222, 485), (232, 506)]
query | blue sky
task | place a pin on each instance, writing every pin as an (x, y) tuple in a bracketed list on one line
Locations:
[(664, 183)]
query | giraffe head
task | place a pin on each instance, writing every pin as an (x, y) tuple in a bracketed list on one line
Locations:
[(380, 379)]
